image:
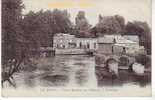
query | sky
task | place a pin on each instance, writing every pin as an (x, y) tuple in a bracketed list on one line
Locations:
[(131, 10)]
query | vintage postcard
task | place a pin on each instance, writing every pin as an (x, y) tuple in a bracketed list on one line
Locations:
[(76, 48)]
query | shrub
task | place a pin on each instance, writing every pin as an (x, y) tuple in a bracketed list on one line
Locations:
[(144, 60)]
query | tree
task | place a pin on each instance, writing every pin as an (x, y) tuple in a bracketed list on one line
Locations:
[(82, 26), (110, 25), (33, 29), (141, 29), (14, 46), (61, 21), (11, 32), (144, 60), (42, 25)]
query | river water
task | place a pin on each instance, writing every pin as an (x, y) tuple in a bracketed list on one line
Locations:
[(67, 70), (60, 71)]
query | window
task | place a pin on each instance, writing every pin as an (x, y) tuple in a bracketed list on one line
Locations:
[(80, 44), (95, 45), (112, 49), (88, 46), (124, 50), (114, 41)]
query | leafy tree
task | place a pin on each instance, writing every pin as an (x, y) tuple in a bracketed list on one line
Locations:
[(144, 60), (11, 33), (41, 26), (61, 21), (110, 25), (14, 45), (142, 30), (33, 28), (82, 26)]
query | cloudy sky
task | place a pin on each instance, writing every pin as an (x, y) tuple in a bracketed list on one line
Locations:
[(131, 9)]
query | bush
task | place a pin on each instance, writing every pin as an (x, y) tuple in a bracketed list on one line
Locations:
[(144, 60), (99, 59)]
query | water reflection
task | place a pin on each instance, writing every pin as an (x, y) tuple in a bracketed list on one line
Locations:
[(68, 71), (106, 78)]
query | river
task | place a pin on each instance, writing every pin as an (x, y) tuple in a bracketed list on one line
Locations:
[(60, 71), (64, 70)]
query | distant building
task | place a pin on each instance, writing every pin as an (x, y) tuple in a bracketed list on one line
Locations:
[(118, 44), (106, 44), (133, 38), (86, 43), (67, 41), (63, 41)]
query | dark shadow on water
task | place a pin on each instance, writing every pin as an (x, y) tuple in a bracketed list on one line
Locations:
[(80, 64), (105, 78), (57, 71), (56, 80)]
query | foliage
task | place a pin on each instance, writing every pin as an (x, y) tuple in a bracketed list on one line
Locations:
[(110, 25), (123, 61), (14, 45), (82, 26), (35, 29), (144, 60), (142, 30), (41, 26), (12, 39)]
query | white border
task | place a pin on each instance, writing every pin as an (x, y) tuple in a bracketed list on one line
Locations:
[(103, 98)]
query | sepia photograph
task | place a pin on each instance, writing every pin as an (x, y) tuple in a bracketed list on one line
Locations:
[(76, 48)]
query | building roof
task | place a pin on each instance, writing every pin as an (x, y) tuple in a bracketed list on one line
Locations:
[(123, 40), (134, 38), (121, 45), (115, 39), (65, 35)]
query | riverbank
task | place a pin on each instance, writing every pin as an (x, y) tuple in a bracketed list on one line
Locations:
[(70, 52)]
